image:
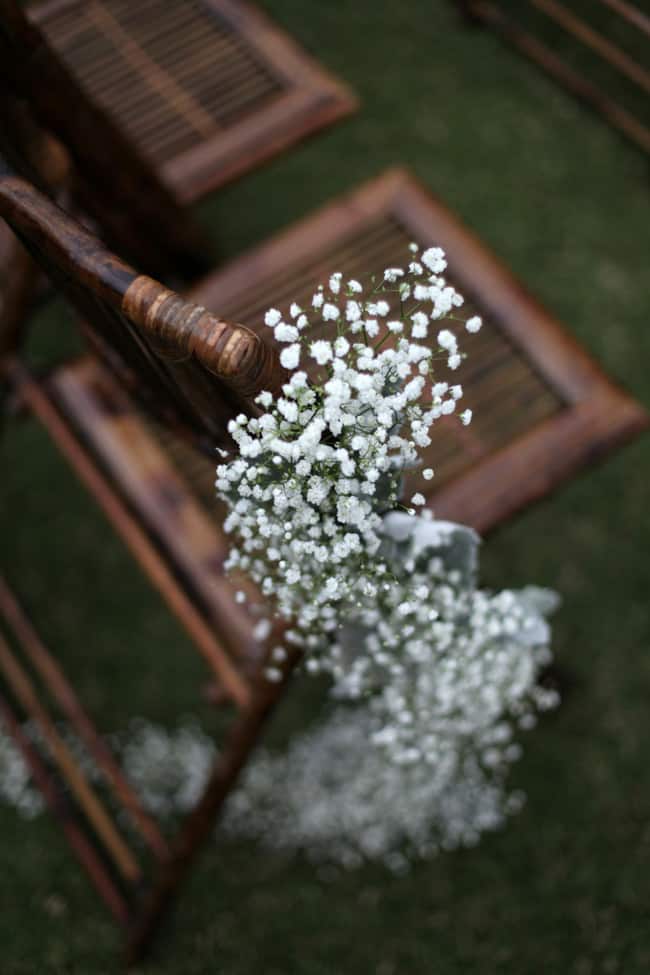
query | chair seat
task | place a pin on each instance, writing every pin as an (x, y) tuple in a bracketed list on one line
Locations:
[(170, 488), (542, 407), (206, 89)]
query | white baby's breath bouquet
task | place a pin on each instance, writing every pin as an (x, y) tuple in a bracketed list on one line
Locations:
[(379, 597)]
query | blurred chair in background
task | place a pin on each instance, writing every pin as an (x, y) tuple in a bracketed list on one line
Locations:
[(160, 102), (599, 50)]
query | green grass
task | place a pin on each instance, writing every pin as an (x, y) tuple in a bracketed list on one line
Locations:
[(566, 888)]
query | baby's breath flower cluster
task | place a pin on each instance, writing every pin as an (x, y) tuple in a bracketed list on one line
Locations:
[(443, 673), (464, 682), (323, 463), (385, 601)]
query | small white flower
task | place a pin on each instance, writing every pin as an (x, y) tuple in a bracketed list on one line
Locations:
[(341, 346), (427, 473), (285, 333), (447, 340), (290, 357), (391, 274), (466, 417), (434, 258), (272, 317), (330, 312), (273, 675), (262, 629), (418, 499), (321, 351), (264, 399), (473, 324), (335, 282)]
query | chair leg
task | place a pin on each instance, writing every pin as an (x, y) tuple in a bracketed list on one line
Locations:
[(19, 278), (200, 823)]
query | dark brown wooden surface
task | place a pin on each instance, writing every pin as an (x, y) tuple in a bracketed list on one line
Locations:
[(205, 89), (614, 80)]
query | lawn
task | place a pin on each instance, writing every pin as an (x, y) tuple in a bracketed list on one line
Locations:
[(566, 888)]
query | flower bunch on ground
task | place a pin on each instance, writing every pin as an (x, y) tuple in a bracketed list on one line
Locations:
[(438, 675), (421, 764)]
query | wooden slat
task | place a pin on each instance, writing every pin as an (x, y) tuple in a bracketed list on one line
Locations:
[(630, 13), (199, 824), (595, 41), (57, 802), (119, 438), (62, 692), (26, 694), (579, 84), (135, 538)]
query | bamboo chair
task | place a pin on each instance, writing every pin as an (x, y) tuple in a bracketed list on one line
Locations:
[(112, 182), (598, 50), (196, 91), (192, 371)]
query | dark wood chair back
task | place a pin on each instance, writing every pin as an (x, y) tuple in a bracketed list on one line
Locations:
[(191, 370), (138, 215)]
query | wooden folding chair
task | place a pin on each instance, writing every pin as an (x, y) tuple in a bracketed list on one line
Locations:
[(160, 102), (598, 51), (192, 371), (137, 213), (205, 89)]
